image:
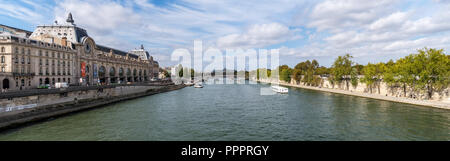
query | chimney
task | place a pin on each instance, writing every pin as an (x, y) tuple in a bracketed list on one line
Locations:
[(64, 41)]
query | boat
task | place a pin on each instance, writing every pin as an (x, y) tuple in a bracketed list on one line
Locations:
[(188, 84), (280, 89), (198, 86)]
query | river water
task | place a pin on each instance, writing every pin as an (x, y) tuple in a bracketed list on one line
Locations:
[(240, 112)]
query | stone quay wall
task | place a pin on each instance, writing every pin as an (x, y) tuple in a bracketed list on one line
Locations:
[(17, 109), (381, 92)]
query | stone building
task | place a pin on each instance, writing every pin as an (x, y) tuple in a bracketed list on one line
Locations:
[(144, 55), (65, 53)]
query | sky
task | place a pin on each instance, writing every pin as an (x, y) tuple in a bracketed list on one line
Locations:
[(371, 31)]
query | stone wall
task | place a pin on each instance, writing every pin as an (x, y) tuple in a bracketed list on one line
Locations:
[(19, 110), (381, 89), (62, 96)]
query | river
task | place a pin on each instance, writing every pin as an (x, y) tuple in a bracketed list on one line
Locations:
[(239, 112)]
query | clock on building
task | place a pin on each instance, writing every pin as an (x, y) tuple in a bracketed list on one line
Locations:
[(87, 48)]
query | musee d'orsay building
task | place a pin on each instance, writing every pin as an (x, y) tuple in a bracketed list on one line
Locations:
[(66, 53)]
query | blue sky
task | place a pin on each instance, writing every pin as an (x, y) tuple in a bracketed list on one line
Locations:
[(371, 31)]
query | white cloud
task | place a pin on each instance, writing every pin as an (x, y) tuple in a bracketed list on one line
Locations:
[(300, 29), (33, 12), (336, 15), (259, 35), (394, 20)]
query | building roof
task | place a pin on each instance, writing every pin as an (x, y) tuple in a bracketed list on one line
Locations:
[(115, 51), (5, 28)]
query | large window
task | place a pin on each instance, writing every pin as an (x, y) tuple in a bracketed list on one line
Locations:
[(3, 49), (112, 72), (3, 59)]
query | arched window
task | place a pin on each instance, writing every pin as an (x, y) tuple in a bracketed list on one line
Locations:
[(112, 72), (101, 71), (120, 72), (3, 69), (3, 59), (128, 72), (3, 49)]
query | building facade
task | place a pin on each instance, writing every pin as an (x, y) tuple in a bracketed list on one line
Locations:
[(66, 53)]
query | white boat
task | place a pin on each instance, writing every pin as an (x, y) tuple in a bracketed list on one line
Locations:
[(198, 86), (188, 84), (279, 89)]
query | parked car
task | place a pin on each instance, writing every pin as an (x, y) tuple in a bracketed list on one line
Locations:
[(61, 85), (45, 86)]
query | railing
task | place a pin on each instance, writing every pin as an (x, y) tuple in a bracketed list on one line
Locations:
[(23, 74), (72, 88)]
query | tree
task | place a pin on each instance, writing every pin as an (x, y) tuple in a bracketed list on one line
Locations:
[(180, 72), (373, 74), (342, 68), (404, 72), (389, 73), (192, 73), (369, 75), (322, 70), (297, 75), (359, 68), (285, 74), (354, 77), (432, 67)]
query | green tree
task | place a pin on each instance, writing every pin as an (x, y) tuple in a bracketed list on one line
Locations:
[(192, 73), (297, 75), (369, 75), (431, 66), (389, 73), (342, 68), (285, 74), (373, 74), (404, 73), (354, 77)]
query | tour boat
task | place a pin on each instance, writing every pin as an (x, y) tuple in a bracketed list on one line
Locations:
[(198, 86), (279, 89)]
